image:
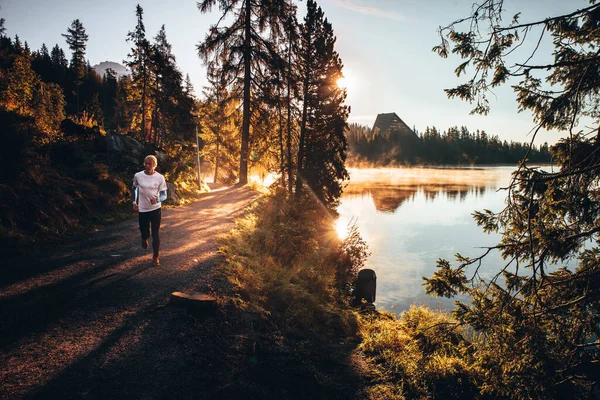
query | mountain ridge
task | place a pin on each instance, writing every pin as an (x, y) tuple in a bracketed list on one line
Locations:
[(115, 66)]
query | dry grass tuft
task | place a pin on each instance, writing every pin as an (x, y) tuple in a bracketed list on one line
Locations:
[(421, 354)]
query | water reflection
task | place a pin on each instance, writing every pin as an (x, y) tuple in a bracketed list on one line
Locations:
[(391, 187), (410, 217)]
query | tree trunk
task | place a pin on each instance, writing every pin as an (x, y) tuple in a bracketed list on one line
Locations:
[(306, 83), (246, 112), (302, 140), (144, 138), (281, 149), (217, 161), (289, 120)]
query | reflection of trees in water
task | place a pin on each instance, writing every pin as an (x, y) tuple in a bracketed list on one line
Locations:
[(388, 199)]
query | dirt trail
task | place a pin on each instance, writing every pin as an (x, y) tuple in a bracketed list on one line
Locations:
[(87, 318)]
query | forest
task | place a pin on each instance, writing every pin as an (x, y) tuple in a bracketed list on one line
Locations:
[(454, 146), (272, 105)]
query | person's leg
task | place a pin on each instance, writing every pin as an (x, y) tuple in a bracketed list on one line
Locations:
[(155, 219), (144, 219)]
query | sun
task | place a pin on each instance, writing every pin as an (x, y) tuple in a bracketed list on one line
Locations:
[(347, 81), (341, 228)]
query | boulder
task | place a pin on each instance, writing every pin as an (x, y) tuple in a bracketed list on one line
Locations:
[(126, 148)]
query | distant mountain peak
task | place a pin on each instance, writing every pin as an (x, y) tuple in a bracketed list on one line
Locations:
[(115, 66)]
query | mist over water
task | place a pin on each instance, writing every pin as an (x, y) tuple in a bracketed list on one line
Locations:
[(411, 217)]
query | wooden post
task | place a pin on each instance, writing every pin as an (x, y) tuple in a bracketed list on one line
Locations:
[(198, 158)]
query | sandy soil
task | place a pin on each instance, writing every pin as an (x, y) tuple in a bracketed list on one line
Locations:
[(89, 317)]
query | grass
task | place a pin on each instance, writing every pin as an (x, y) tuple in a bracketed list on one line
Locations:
[(283, 260), (292, 275), (421, 354)]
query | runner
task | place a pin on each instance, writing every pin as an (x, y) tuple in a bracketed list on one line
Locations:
[(149, 190)]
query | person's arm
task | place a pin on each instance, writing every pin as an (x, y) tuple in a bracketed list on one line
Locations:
[(134, 193), (162, 195)]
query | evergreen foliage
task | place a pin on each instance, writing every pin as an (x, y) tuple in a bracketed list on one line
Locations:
[(76, 39), (141, 70), (324, 115), (239, 53), (54, 156), (220, 132), (538, 317)]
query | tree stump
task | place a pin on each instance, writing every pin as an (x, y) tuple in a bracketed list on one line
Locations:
[(198, 304)]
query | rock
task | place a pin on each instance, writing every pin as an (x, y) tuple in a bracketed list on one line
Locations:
[(197, 303), (172, 195), (126, 147)]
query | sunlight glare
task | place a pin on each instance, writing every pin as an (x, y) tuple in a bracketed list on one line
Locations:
[(341, 228), (347, 81), (264, 180)]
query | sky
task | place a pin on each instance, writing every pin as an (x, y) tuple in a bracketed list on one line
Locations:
[(385, 46)]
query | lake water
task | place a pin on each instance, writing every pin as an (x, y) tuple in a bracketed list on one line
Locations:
[(411, 217)]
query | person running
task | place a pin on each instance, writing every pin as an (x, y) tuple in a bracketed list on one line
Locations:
[(149, 190)]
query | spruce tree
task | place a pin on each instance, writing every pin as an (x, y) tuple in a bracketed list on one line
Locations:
[(322, 146), (109, 95), (2, 27), (76, 38), (141, 71)]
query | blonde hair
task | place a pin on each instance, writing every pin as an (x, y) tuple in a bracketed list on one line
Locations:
[(153, 158)]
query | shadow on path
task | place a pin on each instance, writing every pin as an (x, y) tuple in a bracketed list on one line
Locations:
[(77, 314)]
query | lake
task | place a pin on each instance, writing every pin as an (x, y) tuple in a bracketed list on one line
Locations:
[(411, 217)]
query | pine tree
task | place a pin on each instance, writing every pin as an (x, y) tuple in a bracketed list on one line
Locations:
[(109, 95), (169, 87), (539, 314), (42, 64), (49, 110), (124, 105), (188, 87), (221, 121), (245, 52), (21, 83), (141, 71), (76, 38), (322, 147), (292, 81), (60, 66), (18, 46), (2, 27)]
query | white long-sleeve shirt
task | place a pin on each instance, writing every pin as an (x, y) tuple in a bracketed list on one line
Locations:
[(148, 187)]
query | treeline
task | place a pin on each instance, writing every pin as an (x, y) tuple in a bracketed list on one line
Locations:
[(153, 104), (455, 146)]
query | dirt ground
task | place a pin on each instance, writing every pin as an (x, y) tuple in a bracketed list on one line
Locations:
[(89, 318)]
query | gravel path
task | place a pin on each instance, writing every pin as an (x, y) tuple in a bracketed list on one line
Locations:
[(88, 318)]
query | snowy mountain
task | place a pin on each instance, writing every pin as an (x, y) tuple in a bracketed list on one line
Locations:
[(104, 65)]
